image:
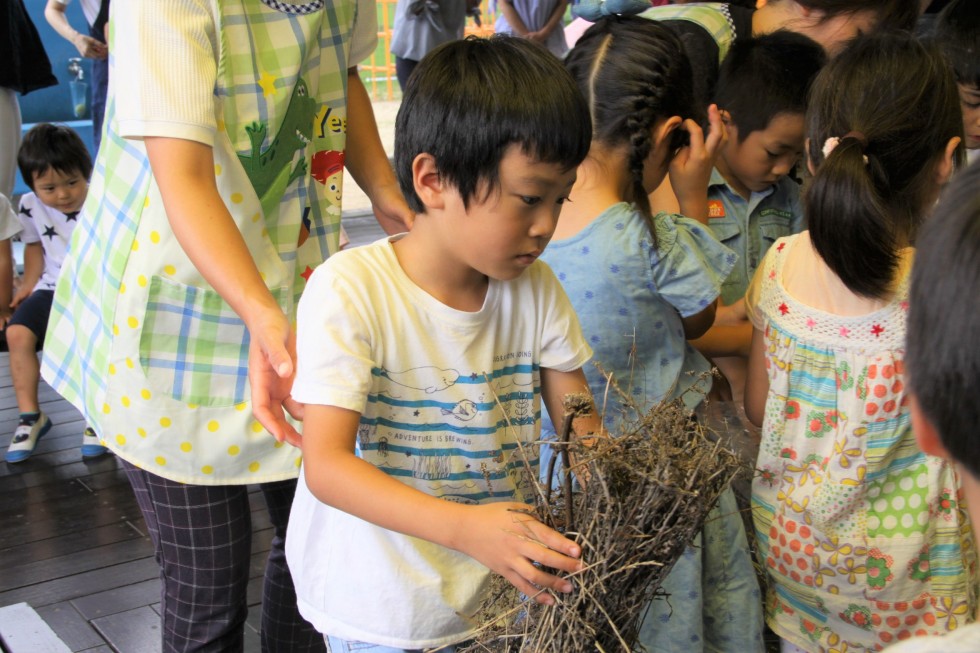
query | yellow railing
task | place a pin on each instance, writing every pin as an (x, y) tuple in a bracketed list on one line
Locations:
[(378, 72)]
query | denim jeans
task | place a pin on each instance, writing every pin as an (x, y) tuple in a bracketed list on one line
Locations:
[(337, 645)]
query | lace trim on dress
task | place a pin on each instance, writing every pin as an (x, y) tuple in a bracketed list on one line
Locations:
[(884, 328)]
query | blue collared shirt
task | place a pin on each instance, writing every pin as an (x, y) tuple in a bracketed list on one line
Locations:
[(749, 228)]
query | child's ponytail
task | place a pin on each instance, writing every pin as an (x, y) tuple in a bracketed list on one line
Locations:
[(880, 117), (854, 234)]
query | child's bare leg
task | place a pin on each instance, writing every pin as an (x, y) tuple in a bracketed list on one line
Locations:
[(25, 370)]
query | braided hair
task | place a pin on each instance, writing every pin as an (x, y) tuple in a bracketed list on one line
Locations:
[(633, 73)]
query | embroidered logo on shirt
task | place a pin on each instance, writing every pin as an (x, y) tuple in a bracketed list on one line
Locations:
[(716, 209)]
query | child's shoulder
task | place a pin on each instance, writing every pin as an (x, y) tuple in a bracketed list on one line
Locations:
[(29, 200)]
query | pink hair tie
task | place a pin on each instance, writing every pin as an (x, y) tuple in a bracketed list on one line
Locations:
[(834, 141)]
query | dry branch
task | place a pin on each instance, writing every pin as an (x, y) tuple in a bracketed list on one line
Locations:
[(648, 493)]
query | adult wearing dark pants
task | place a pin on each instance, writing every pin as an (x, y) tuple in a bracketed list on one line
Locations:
[(91, 45), (421, 25), (209, 211)]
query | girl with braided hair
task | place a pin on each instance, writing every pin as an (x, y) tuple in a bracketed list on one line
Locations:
[(643, 283), (864, 537)]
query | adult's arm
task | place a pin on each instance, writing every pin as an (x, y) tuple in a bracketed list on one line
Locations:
[(54, 13), (184, 172), (368, 163)]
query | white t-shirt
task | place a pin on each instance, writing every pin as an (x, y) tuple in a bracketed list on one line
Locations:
[(425, 378), (52, 229)]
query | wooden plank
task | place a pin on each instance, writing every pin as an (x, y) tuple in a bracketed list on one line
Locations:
[(22, 630), (75, 563), (66, 545), (73, 629), (135, 631), (77, 514), (84, 584), (119, 599)]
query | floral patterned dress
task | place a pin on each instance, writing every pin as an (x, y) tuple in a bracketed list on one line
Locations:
[(865, 539)]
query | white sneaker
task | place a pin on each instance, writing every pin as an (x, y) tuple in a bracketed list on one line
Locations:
[(25, 438), (91, 446)]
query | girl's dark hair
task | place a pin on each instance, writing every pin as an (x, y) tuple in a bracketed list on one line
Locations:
[(958, 36), (468, 100), (892, 14), (893, 104), (633, 73), (52, 147)]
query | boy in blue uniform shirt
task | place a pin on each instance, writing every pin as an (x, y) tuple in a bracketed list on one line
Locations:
[(752, 201)]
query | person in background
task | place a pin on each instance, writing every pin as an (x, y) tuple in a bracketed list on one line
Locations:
[(91, 45), (197, 239), (862, 535), (25, 68), (752, 201), (420, 26), (538, 20), (642, 283), (957, 34), (9, 227), (708, 30), (943, 373), (56, 165)]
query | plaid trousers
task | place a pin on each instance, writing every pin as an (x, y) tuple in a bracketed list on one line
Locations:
[(202, 537)]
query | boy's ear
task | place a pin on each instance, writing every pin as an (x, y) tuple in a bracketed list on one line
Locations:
[(428, 181), (926, 435), (945, 168)]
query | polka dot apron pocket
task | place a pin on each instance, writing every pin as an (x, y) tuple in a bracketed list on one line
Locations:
[(193, 346)]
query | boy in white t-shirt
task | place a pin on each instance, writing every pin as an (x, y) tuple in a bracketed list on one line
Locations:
[(56, 165), (424, 358)]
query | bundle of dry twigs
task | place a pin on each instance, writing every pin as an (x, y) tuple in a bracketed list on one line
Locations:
[(647, 494)]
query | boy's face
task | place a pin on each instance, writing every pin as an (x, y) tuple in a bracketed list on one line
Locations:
[(61, 191), (970, 102), (766, 155), (502, 235)]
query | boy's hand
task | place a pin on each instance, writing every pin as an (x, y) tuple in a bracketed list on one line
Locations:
[(271, 368), (690, 169), (24, 291), (5, 315), (508, 540)]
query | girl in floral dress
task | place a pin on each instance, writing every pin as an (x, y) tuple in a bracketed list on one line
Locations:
[(862, 535)]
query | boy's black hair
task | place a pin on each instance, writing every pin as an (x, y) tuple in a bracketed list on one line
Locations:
[(957, 34), (765, 76), (47, 146), (468, 100), (892, 103), (634, 73), (944, 324)]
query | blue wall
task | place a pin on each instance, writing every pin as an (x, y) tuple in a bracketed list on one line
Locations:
[(54, 104)]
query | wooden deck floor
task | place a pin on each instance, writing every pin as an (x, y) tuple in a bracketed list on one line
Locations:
[(73, 545)]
